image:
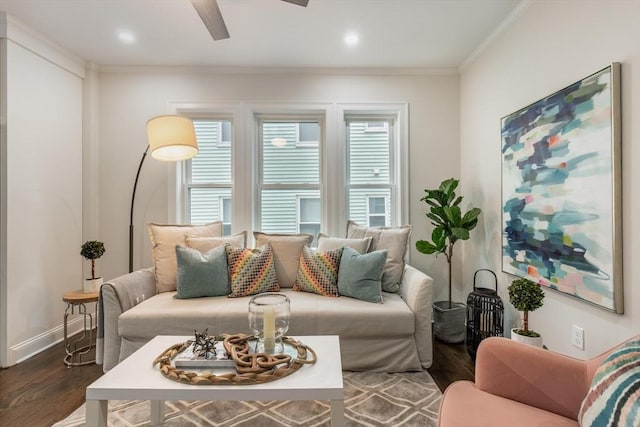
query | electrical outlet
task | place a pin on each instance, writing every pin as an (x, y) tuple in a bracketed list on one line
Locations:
[(577, 337)]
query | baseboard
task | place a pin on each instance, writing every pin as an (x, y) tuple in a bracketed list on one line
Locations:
[(29, 348)]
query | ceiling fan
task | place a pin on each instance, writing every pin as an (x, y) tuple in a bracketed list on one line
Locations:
[(212, 18)]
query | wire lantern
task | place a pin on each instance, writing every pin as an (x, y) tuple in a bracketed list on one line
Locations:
[(485, 314)]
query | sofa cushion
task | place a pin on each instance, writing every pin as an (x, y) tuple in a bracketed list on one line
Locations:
[(205, 244), (202, 275), (326, 243), (359, 275), (614, 396), (311, 314), (392, 239), (286, 253), (251, 270), (164, 239), (318, 273)]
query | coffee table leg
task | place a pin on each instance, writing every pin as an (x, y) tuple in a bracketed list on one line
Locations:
[(96, 413), (337, 413), (157, 412)]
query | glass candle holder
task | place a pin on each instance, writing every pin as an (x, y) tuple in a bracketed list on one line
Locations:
[(269, 316)]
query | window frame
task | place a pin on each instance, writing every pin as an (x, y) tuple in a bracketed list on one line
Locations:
[(384, 214)]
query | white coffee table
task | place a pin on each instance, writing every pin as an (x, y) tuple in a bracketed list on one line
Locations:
[(136, 379)]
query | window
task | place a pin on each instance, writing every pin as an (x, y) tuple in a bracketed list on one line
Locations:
[(294, 168), (289, 182), (377, 211), (208, 175), (370, 183), (309, 217), (308, 134), (225, 214)]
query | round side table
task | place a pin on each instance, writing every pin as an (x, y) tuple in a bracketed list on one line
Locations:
[(78, 348)]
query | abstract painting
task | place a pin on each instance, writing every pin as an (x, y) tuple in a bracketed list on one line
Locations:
[(561, 201)]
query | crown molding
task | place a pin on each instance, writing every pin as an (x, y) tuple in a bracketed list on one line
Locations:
[(504, 25), (220, 70), (17, 32)]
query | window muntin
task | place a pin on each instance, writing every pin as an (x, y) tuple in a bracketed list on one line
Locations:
[(377, 211)]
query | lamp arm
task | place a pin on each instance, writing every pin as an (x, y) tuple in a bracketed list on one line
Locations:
[(133, 198)]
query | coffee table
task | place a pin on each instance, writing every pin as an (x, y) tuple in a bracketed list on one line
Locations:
[(136, 379)]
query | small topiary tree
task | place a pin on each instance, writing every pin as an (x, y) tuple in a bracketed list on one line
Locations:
[(525, 296), (92, 250)]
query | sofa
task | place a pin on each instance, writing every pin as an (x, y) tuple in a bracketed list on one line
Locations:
[(388, 334), (521, 385)]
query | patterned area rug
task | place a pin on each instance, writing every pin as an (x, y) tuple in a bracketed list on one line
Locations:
[(371, 399)]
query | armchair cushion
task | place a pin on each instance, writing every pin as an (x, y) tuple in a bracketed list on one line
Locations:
[(614, 397)]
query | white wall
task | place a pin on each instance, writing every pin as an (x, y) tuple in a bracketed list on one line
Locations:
[(42, 190), (551, 45), (128, 98)]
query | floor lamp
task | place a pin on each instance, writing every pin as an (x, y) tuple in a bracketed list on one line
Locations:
[(171, 139)]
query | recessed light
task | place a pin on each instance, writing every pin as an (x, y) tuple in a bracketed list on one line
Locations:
[(351, 38), (126, 36)]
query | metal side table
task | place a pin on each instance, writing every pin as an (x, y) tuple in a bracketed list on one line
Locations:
[(79, 347)]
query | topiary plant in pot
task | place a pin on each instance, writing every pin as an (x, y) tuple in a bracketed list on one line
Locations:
[(92, 250), (526, 296), (450, 225)]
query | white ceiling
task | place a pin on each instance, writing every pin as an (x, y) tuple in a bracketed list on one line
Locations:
[(436, 34)]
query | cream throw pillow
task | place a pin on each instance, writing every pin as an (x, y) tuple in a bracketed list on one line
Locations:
[(164, 239), (205, 244), (392, 239), (326, 243), (286, 253)]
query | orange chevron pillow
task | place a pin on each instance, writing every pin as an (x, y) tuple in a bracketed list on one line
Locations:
[(318, 273), (252, 271)]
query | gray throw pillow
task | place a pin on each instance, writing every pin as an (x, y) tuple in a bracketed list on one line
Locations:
[(202, 275), (359, 276)]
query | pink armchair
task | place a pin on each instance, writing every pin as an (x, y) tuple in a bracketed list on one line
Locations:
[(519, 385)]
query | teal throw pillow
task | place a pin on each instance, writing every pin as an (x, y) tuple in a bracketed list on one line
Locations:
[(359, 276), (614, 397), (202, 275)]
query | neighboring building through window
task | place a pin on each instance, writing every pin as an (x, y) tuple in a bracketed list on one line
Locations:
[(289, 183), (370, 187), (208, 178)]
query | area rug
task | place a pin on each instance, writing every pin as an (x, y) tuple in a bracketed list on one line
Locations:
[(371, 399)]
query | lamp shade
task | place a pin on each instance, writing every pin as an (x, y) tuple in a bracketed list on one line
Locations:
[(171, 138)]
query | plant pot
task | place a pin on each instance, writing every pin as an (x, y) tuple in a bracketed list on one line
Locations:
[(534, 341), (449, 323), (92, 285)]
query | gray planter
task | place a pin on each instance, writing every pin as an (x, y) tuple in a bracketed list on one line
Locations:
[(448, 323)]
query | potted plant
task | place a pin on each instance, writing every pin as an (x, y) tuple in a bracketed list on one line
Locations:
[(526, 296), (92, 250), (450, 225)]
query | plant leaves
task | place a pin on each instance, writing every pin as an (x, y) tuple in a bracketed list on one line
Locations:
[(460, 233)]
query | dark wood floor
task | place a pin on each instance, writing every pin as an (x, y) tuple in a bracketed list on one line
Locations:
[(42, 390)]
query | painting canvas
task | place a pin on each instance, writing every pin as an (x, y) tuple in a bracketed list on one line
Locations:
[(561, 213)]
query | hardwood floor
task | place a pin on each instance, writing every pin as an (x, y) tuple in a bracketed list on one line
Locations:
[(43, 390)]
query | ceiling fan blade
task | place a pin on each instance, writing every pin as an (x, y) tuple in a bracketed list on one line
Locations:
[(212, 18), (303, 3)]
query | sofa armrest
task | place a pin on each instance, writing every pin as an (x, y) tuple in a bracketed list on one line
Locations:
[(116, 297), (417, 291), (531, 375)]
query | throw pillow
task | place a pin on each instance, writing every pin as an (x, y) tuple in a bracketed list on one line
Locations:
[(164, 239), (205, 244), (326, 243), (251, 270), (392, 239), (318, 273), (359, 275), (614, 397), (286, 253), (201, 275)]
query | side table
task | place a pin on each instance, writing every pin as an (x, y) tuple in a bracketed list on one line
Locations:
[(79, 347)]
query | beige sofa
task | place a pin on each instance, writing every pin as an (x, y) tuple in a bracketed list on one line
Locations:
[(391, 337)]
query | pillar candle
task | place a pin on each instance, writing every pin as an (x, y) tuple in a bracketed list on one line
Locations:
[(269, 331)]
